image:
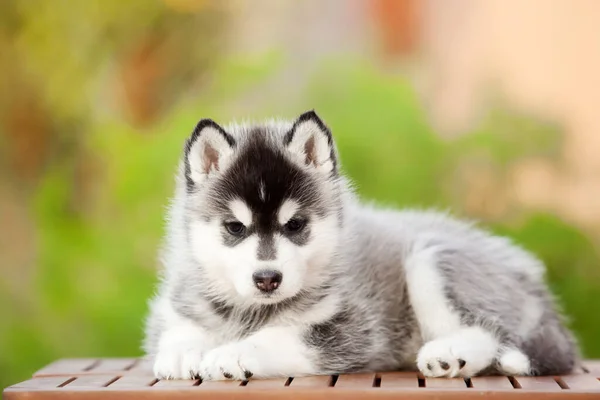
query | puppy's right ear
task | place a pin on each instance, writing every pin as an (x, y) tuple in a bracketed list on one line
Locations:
[(207, 152)]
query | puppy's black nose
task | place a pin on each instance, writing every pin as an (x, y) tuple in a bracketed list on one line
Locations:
[(267, 280)]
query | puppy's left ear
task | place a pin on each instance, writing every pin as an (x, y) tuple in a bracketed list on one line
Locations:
[(311, 143)]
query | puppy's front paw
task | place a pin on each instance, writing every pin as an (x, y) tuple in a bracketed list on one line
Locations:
[(178, 362), (232, 361)]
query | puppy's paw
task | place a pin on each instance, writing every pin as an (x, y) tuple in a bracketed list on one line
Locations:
[(514, 362), (455, 356), (178, 362), (232, 361), (465, 353), (438, 359)]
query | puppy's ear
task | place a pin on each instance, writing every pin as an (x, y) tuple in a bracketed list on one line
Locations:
[(207, 152), (311, 143)]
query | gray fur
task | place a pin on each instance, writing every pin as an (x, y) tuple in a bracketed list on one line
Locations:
[(488, 281), (266, 249)]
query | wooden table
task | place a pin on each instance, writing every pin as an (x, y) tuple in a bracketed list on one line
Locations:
[(120, 378)]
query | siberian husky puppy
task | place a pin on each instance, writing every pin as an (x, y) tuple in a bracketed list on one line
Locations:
[(272, 267)]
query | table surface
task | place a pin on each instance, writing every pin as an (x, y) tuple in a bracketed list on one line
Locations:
[(128, 378)]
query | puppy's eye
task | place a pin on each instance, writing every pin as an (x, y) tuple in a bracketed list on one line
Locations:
[(235, 228), (294, 225)]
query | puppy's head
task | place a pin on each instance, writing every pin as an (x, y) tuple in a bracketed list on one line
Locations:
[(263, 207)]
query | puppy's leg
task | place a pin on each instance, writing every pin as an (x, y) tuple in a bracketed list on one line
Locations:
[(450, 349), (180, 347), (272, 351)]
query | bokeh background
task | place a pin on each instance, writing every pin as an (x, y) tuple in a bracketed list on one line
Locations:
[(488, 108)]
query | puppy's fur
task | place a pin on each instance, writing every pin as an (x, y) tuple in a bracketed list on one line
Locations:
[(361, 288)]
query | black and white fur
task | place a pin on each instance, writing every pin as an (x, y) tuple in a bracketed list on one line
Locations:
[(363, 288)]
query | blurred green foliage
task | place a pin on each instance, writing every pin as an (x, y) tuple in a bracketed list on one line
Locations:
[(96, 269)]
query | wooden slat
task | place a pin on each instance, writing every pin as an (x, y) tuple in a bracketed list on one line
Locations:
[(593, 367), (91, 381), (445, 383), (353, 381), (585, 382), (491, 383), (220, 385), (539, 383), (68, 366), (176, 383), (319, 381), (141, 366), (42, 383), (399, 380), (133, 382), (267, 383), (113, 365)]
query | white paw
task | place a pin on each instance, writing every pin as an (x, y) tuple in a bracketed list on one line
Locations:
[(232, 361), (436, 359), (178, 362), (513, 362), (464, 355)]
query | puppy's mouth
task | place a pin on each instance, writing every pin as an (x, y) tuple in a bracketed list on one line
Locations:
[(269, 298), (274, 297)]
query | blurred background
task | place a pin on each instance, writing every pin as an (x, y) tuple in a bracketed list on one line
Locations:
[(488, 108)]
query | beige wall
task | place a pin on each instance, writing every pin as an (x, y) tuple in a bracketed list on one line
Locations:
[(543, 56)]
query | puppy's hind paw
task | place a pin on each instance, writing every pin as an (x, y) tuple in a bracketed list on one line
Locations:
[(464, 354), (436, 360), (514, 362)]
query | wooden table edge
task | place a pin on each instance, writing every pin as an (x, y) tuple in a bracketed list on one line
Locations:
[(297, 393)]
